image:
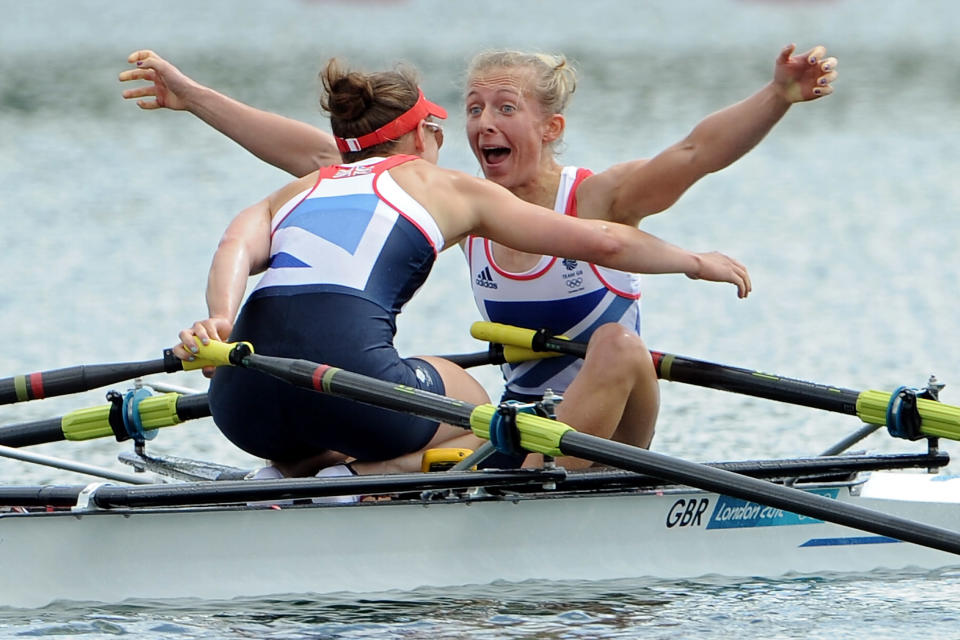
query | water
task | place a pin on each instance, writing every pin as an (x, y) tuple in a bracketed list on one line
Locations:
[(802, 608), (845, 215)]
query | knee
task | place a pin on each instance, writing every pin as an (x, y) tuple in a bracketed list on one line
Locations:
[(617, 347), (458, 383), (617, 338)]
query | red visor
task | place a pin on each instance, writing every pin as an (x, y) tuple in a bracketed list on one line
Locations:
[(403, 123)]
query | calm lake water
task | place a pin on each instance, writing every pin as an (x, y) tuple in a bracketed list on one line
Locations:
[(845, 214)]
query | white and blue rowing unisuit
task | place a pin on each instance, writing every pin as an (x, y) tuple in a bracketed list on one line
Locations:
[(345, 256), (564, 296)]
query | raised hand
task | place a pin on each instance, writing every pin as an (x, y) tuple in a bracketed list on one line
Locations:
[(804, 77), (169, 86), (717, 267)]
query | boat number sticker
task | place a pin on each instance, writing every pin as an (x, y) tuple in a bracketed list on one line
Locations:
[(733, 513)]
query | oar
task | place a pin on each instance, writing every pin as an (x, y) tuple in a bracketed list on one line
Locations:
[(936, 419), (554, 438), (58, 382), (132, 416), (497, 354)]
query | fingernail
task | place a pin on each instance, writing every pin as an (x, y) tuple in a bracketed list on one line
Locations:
[(192, 358), (205, 341), (817, 92), (194, 348), (139, 62), (813, 60), (826, 67), (823, 81)]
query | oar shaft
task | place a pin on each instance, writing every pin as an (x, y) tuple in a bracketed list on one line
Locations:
[(697, 372), (873, 407), (493, 355), (85, 424), (193, 406), (725, 482), (498, 354), (58, 382), (84, 377), (327, 379), (754, 383), (467, 360), (27, 434)]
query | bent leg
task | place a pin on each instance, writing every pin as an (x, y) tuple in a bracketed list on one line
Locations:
[(616, 395), (457, 384)]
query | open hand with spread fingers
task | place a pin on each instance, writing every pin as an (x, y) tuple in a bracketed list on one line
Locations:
[(169, 84), (803, 77)]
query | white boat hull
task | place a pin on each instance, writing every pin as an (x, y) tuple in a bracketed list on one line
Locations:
[(218, 553)]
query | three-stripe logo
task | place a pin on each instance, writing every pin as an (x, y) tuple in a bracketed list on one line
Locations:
[(485, 279)]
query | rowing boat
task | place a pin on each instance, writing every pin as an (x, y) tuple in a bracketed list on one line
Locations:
[(219, 539), (187, 528)]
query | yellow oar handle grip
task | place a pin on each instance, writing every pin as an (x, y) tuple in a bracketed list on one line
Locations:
[(517, 338), (86, 424), (537, 434), (521, 354), (94, 422), (213, 354), (936, 418), (502, 333)]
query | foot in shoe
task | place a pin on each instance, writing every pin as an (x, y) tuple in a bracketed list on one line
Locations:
[(336, 471), (266, 473)]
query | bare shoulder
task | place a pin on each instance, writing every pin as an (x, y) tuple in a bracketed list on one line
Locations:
[(597, 194), (280, 197), (422, 178), (456, 200)]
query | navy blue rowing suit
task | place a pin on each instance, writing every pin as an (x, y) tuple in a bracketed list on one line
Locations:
[(345, 256)]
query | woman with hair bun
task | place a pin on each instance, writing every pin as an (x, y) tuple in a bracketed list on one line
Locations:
[(345, 247)]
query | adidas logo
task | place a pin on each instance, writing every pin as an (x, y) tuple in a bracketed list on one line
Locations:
[(484, 279)]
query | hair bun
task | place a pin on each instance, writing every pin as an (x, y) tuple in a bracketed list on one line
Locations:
[(350, 97), (359, 103)]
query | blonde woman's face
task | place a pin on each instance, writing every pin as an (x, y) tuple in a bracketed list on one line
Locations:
[(505, 126)]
